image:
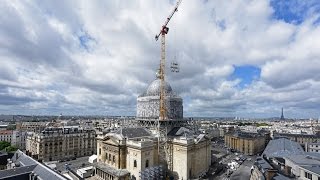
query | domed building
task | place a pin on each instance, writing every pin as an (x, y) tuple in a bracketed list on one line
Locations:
[(148, 103)]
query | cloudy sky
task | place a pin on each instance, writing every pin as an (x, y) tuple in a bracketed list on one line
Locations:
[(244, 58)]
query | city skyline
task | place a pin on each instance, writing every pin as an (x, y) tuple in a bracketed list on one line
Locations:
[(245, 58)]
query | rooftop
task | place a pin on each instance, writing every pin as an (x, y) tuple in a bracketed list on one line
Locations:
[(111, 170), (136, 132), (16, 171), (22, 160), (314, 169), (74, 164), (282, 148), (2, 132), (242, 134)]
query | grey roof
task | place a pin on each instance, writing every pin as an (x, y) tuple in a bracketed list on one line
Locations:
[(280, 177), (78, 163), (23, 159), (154, 89), (262, 164), (282, 147), (314, 168), (41, 170), (298, 135), (110, 170), (248, 135), (134, 132), (303, 159), (16, 171), (47, 173), (179, 131)]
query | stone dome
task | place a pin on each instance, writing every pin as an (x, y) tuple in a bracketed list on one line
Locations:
[(148, 103), (154, 88)]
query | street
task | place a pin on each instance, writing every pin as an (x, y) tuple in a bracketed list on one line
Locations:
[(243, 172)]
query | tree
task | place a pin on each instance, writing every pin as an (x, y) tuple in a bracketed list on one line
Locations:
[(4, 144), (11, 148), (11, 127)]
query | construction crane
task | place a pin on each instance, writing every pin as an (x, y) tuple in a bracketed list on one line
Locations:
[(163, 31)]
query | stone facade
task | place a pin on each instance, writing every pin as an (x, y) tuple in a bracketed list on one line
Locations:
[(191, 158), (247, 143), (140, 156), (117, 152), (61, 143), (15, 138), (148, 103)]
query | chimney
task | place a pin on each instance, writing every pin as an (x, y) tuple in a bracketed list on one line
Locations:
[(270, 173)]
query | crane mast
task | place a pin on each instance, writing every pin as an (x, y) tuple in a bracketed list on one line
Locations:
[(163, 31)]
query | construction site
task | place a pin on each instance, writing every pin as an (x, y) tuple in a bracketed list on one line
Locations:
[(159, 143)]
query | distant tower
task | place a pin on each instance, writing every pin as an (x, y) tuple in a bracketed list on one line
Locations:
[(282, 116)]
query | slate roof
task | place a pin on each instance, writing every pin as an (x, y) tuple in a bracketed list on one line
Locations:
[(16, 171), (134, 132), (280, 177), (26, 163), (179, 131), (282, 147), (314, 169)]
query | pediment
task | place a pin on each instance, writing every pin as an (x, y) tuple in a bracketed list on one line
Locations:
[(111, 140)]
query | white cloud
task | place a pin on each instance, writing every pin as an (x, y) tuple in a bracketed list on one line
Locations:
[(46, 68)]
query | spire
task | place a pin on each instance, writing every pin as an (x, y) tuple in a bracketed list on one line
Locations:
[(282, 116)]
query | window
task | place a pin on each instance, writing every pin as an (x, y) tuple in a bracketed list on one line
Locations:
[(307, 175), (113, 159), (109, 157), (135, 163), (147, 163), (99, 151)]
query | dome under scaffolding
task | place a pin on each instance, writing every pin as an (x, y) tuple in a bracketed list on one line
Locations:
[(148, 103)]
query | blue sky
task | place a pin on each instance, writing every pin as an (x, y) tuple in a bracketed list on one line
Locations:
[(248, 58), (294, 11), (246, 74)]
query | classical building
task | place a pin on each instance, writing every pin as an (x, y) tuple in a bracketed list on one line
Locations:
[(128, 152), (246, 143), (148, 103), (125, 153), (140, 153), (61, 143)]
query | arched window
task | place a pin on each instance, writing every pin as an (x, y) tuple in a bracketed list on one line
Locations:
[(147, 163), (135, 163)]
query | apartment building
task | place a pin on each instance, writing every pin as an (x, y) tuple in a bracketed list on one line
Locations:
[(16, 138), (61, 143), (312, 147), (31, 126)]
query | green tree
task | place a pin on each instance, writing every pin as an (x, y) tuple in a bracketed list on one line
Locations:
[(11, 127), (4, 144), (11, 148)]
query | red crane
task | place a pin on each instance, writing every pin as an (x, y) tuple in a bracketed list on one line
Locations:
[(163, 31)]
